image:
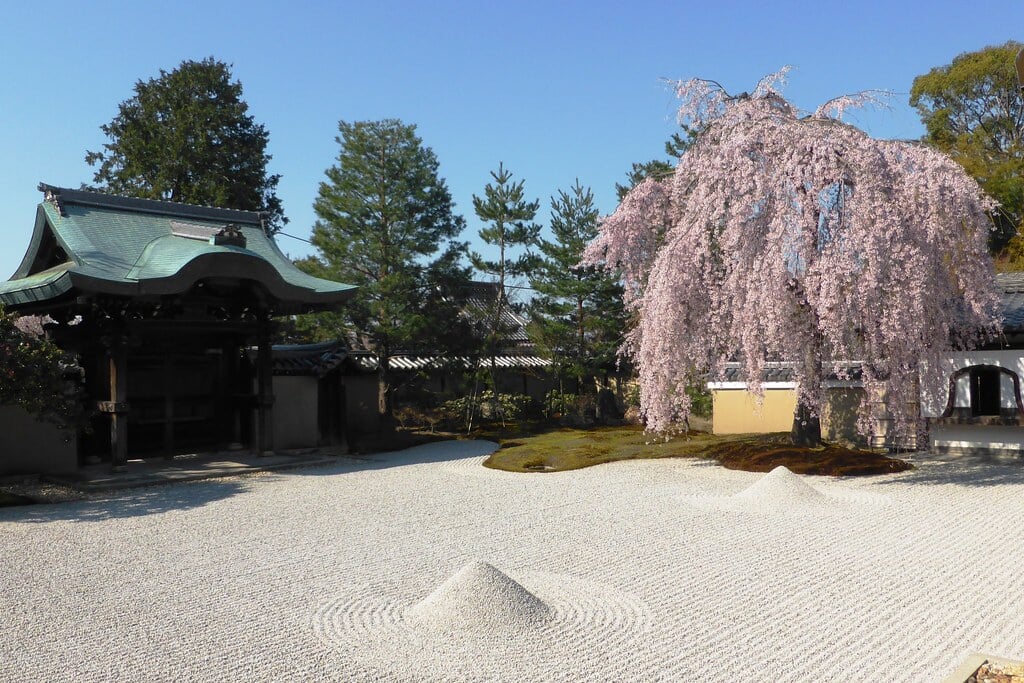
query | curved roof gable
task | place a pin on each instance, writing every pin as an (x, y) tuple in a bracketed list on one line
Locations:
[(91, 242)]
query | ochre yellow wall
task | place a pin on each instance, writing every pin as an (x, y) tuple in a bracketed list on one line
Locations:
[(736, 411)]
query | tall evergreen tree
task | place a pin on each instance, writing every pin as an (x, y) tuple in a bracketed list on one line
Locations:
[(387, 223), (578, 314), (509, 225), (508, 219), (186, 136)]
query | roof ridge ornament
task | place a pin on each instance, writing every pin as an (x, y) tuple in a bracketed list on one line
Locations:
[(229, 236), (52, 194)]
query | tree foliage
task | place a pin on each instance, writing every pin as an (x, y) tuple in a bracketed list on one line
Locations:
[(508, 219), (32, 372), (387, 223), (658, 169), (186, 136), (578, 316), (973, 110), (508, 225), (798, 238)]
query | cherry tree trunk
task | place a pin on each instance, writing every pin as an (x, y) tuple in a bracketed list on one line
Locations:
[(806, 427), (806, 422)]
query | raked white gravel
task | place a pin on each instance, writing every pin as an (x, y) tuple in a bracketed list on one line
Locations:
[(425, 566)]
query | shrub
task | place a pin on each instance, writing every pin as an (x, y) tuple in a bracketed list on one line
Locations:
[(485, 405), (700, 401), (558, 403), (34, 372)]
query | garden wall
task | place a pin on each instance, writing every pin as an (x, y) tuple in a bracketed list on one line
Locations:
[(30, 446)]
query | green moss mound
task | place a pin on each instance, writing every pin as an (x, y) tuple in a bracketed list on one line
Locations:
[(568, 449)]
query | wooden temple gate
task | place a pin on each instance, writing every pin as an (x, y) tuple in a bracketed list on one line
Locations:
[(169, 309)]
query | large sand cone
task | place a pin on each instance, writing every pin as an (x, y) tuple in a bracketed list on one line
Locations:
[(480, 596)]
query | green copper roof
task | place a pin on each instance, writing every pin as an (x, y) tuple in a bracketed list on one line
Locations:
[(92, 243)]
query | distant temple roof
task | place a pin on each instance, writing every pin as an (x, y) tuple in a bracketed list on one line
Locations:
[(94, 243), (308, 359), (481, 299), (319, 359), (416, 362)]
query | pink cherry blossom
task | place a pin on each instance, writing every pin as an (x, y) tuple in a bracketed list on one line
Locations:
[(800, 239)]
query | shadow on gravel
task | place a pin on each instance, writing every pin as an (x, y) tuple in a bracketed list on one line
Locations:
[(172, 496), (968, 471), (441, 451), (137, 502)]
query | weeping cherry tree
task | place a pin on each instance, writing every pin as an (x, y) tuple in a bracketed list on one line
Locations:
[(792, 237)]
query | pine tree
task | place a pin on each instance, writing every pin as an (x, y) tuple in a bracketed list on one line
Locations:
[(658, 169), (578, 315), (510, 225), (387, 223)]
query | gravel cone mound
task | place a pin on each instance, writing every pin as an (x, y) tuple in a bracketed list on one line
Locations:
[(782, 487), (782, 492), (480, 597)]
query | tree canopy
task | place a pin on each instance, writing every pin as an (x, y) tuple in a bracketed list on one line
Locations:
[(186, 136), (578, 317), (508, 225), (387, 223), (798, 238), (973, 110), (508, 219)]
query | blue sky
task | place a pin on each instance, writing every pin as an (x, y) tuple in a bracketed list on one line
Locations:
[(555, 90)]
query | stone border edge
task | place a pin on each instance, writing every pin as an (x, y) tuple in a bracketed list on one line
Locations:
[(971, 665)]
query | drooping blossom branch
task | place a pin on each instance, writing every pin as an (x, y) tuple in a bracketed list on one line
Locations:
[(801, 240), (837, 106)]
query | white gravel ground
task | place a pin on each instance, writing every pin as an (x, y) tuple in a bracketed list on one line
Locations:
[(424, 566)]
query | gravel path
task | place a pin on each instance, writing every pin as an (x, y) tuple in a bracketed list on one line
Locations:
[(424, 566)]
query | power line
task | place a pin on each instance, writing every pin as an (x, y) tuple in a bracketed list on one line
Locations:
[(301, 239)]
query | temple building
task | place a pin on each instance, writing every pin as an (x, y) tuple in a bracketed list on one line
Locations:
[(161, 303)]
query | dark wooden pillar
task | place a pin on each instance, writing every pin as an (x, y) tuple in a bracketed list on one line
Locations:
[(117, 407), (228, 404), (245, 402), (264, 393), (169, 389)]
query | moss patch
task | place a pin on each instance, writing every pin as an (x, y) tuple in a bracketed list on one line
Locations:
[(765, 453), (568, 449)]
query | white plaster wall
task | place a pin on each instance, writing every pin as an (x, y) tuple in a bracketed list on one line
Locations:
[(977, 436), (933, 401)]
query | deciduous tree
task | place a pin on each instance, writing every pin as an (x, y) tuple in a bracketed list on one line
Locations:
[(973, 111), (798, 238), (186, 136)]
